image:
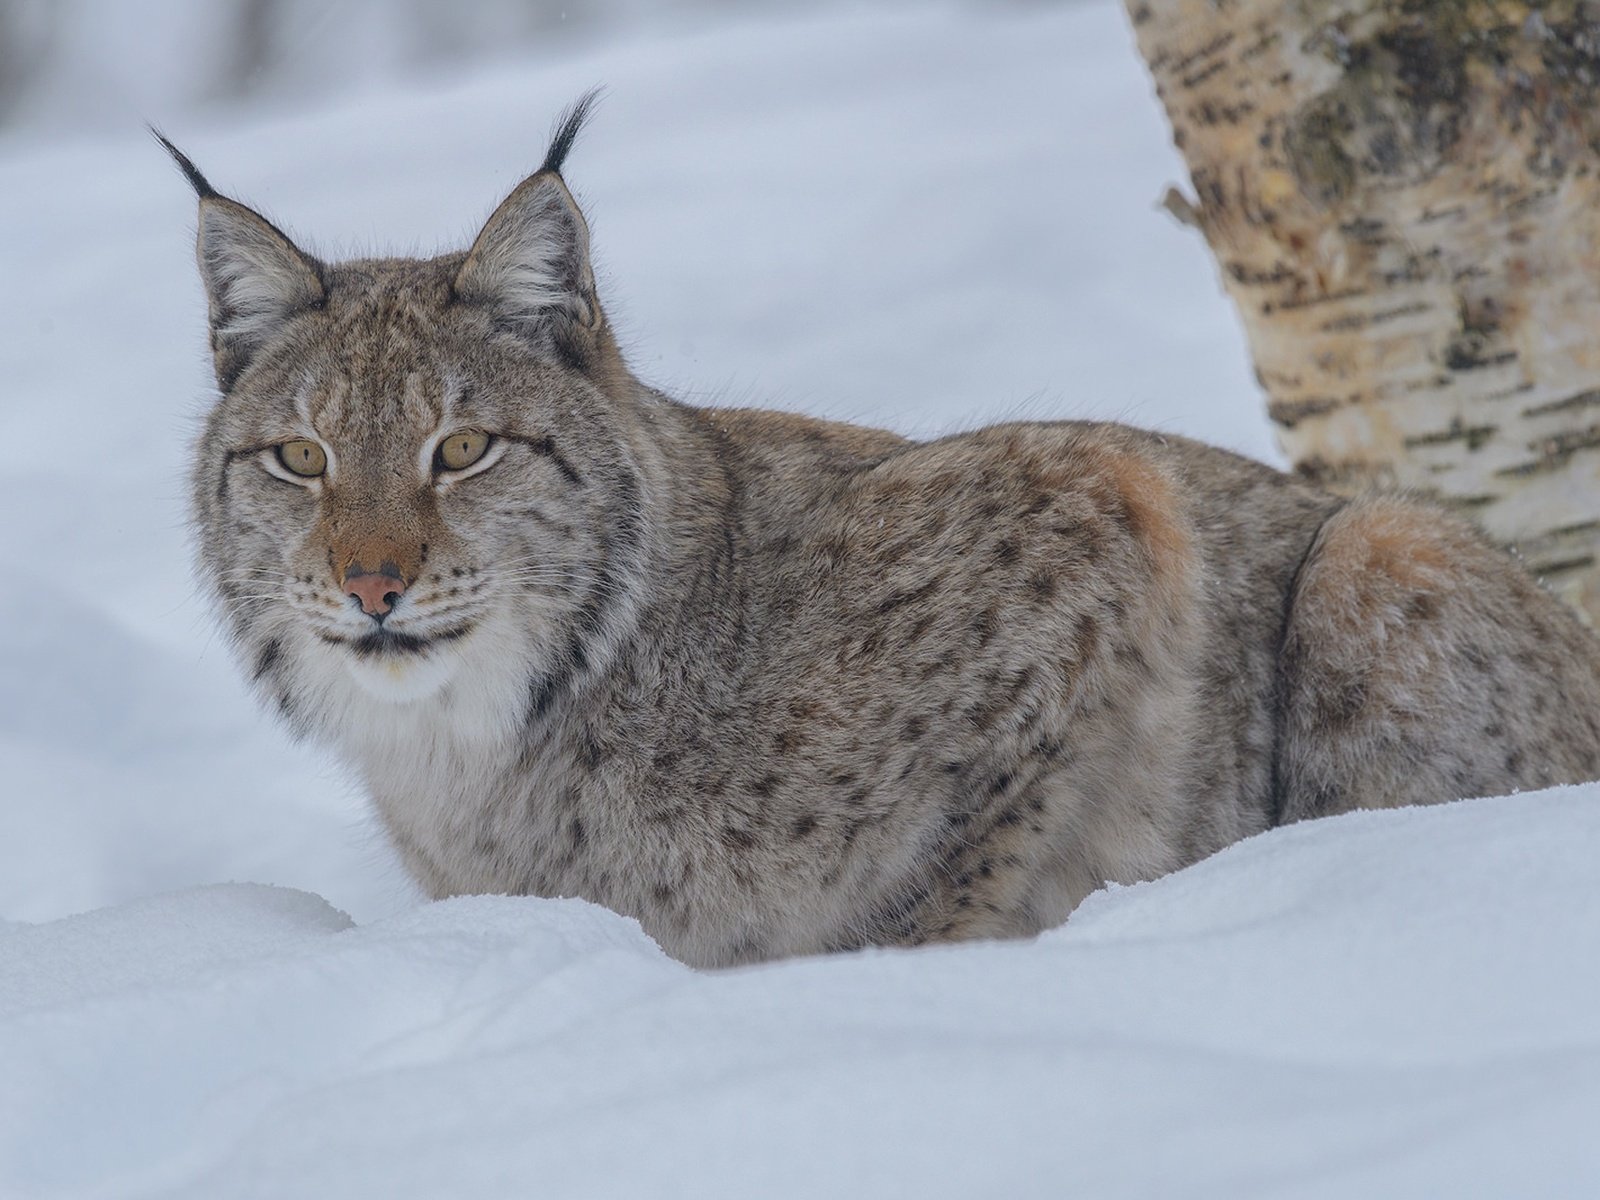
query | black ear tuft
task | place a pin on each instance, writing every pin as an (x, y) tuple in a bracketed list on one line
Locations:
[(529, 264), (201, 185), (567, 127)]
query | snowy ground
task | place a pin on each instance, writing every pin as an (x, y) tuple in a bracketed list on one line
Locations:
[(927, 219)]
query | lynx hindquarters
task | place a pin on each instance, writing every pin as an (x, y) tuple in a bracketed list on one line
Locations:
[(1419, 664), (774, 685)]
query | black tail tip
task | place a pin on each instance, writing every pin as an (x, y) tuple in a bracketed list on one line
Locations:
[(567, 127), (201, 185)]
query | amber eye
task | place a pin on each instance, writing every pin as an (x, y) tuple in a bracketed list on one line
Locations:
[(460, 450), (303, 458)]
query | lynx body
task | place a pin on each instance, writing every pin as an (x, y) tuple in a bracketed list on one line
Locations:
[(776, 686)]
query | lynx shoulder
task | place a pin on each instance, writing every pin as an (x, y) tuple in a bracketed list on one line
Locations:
[(773, 685)]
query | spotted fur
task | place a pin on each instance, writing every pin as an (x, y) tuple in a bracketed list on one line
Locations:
[(774, 685)]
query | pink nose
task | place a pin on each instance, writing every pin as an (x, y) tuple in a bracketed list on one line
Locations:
[(377, 590)]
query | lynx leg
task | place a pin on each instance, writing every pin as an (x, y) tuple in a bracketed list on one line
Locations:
[(1420, 664)]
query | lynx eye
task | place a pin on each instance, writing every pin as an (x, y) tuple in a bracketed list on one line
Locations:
[(303, 458), (460, 450)]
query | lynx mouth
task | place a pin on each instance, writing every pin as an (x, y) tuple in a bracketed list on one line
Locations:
[(384, 643), (402, 668)]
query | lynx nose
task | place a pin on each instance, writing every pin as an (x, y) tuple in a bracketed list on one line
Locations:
[(377, 590)]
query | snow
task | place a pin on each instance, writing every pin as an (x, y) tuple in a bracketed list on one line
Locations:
[(1383, 1005), (925, 218)]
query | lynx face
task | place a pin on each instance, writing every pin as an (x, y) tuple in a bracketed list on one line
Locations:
[(412, 474)]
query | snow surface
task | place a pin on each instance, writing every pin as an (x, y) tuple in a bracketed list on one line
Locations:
[(927, 219), (1386, 1005)]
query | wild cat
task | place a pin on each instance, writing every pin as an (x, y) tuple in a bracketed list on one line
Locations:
[(775, 685)]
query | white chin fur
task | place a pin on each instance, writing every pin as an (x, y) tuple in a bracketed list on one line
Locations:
[(404, 679)]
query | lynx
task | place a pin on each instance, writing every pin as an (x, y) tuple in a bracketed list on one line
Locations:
[(774, 685)]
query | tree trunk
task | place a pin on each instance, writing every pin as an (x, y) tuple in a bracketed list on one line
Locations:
[(1404, 199)]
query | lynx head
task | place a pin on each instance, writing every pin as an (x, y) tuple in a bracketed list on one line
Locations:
[(418, 474)]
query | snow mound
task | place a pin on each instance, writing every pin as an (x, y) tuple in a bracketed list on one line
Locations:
[(1386, 1004)]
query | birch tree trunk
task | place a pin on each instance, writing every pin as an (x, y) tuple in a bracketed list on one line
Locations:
[(1404, 200)]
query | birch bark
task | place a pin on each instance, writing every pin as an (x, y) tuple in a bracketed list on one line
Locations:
[(1402, 198)]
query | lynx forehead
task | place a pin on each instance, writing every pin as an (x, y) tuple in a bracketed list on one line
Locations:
[(775, 685)]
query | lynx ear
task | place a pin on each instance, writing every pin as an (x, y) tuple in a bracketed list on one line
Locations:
[(530, 264), (255, 277)]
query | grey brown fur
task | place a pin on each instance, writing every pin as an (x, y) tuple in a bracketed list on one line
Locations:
[(777, 686)]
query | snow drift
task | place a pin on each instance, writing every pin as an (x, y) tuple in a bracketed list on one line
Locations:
[(1395, 1004)]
